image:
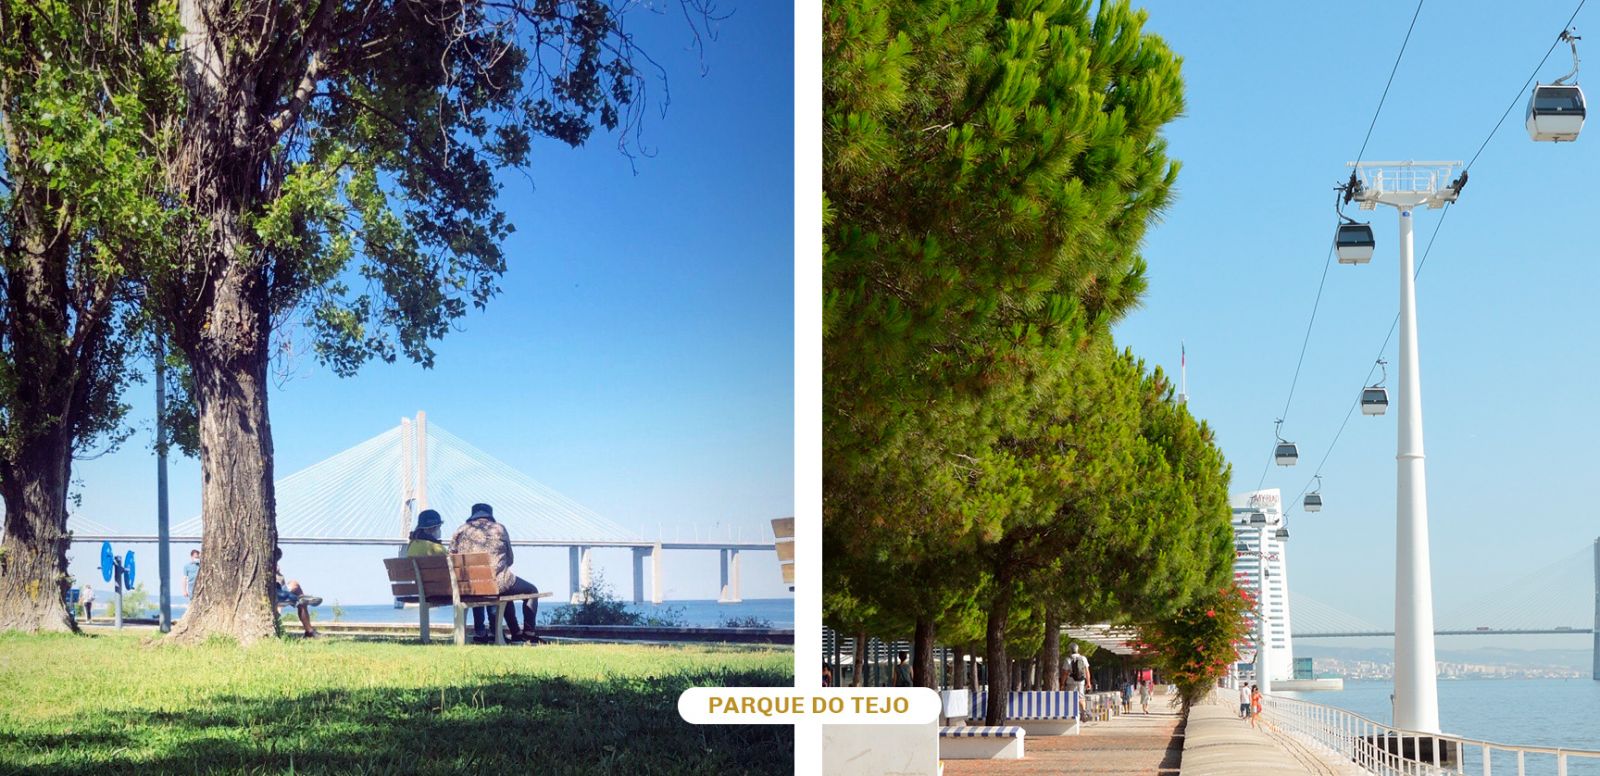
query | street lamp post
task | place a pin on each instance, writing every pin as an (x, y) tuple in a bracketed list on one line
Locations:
[(1406, 186)]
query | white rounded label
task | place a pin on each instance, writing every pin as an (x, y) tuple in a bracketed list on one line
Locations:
[(788, 705)]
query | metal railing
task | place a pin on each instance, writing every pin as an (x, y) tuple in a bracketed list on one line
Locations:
[(1386, 750)]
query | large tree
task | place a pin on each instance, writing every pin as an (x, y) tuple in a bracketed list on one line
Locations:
[(338, 163), (989, 170), (86, 91)]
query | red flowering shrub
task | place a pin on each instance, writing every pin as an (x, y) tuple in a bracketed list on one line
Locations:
[(1194, 646)]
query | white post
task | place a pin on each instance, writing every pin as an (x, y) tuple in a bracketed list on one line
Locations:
[(585, 570), (407, 470), (1416, 687), (422, 460), (573, 561), (1263, 641), (638, 575), (733, 577), (655, 574), (1595, 648), (722, 594)]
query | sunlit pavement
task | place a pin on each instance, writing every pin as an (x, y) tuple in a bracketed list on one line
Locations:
[(1129, 744)]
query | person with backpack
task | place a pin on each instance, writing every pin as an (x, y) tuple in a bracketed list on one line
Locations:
[(1075, 675), (902, 672)]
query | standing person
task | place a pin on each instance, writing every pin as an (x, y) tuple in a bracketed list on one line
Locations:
[(190, 571), (827, 675), (482, 534), (1127, 695), (1244, 700), (1255, 704), (86, 597), (902, 671), (1144, 697), (1075, 674)]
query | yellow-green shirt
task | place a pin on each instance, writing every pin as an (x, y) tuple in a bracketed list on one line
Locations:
[(421, 547)]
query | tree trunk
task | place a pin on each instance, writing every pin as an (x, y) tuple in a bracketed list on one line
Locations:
[(33, 557), (234, 592), (922, 673), (995, 636), (958, 681), (1051, 654), (859, 656)]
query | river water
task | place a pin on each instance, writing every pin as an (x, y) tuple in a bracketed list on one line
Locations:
[(1531, 712)]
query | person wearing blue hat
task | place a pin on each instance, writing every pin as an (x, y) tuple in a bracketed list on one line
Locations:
[(425, 538), (482, 534)]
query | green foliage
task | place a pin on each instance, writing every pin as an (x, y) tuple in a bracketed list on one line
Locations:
[(1194, 645), (600, 606), (750, 621), (136, 603), (989, 170), (338, 706), (338, 611)]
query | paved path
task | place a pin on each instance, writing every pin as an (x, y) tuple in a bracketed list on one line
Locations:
[(1129, 744), (1218, 743)]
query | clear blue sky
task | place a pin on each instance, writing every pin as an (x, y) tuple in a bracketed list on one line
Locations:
[(1279, 97), (639, 359)]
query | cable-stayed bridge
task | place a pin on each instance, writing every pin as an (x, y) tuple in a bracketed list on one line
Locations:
[(1552, 600), (371, 494)]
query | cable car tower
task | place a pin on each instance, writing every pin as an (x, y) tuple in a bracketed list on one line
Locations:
[(1405, 186)]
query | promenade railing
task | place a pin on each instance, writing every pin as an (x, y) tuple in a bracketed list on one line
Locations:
[(1389, 751)]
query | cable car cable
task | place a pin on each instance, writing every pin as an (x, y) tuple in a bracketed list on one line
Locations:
[(1390, 82)]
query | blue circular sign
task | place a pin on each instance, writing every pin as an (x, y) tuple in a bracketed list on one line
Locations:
[(127, 566), (107, 560)]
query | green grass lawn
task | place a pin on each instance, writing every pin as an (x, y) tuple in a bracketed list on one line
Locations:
[(120, 704)]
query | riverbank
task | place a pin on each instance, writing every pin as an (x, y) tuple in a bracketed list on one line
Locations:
[(120, 703)]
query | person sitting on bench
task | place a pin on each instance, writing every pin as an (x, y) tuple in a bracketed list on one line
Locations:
[(289, 593), (425, 539), (482, 534)]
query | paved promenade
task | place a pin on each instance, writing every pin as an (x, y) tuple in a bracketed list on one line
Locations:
[(1129, 744), (1218, 743)]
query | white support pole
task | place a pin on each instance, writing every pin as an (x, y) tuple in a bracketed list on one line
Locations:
[(407, 470), (574, 559), (1415, 683), (655, 575), (1595, 649), (638, 575), (1264, 637), (733, 577), (422, 460), (722, 596), (585, 569)]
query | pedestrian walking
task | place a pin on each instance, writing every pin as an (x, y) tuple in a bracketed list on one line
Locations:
[(1144, 697)]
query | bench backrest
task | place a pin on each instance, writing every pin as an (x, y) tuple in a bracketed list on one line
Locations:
[(1033, 704), (442, 577)]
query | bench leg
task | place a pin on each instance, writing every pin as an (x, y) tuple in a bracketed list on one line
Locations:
[(499, 620), (461, 625), (422, 616)]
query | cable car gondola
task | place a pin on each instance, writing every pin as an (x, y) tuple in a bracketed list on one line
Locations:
[(1283, 533), (1556, 110), (1258, 518), (1313, 500), (1375, 398), (1286, 454), (1354, 243)]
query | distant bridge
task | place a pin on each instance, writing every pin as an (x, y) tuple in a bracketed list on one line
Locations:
[(371, 494), (1523, 607)]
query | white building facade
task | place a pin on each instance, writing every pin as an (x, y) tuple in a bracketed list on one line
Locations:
[(1258, 548)]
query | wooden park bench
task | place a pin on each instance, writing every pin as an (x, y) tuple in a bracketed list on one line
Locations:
[(976, 742), (459, 580)]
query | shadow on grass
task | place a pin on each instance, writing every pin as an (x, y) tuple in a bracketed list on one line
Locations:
[(510, 725)]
